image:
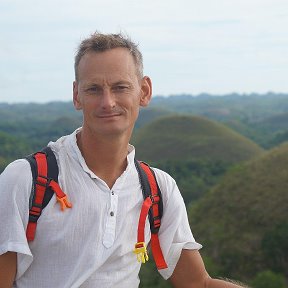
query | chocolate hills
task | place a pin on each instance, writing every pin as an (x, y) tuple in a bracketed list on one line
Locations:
[(181, 137), (242, 222)]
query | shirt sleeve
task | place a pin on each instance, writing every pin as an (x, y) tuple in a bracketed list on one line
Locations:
[(175, 233), (15, 189)]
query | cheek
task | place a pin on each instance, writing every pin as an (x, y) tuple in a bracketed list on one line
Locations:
[(134, 104), (135, 112), (89, 103)]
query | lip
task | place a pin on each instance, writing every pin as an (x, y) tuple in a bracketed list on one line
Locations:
[(109, 115)]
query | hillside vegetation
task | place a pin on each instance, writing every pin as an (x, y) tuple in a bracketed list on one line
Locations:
[(243, 222), (196, 151), (260, 118), (192, 138), (149, 114), (235, 191), (11, 148)]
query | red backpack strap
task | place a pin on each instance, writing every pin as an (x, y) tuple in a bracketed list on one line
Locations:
[(45, 177), (39, 192), (153, 205)]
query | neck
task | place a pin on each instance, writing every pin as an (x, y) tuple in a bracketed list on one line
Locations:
[(105, 156)]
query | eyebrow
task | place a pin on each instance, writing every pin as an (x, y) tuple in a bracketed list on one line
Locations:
[(121, 83), (96, 85)]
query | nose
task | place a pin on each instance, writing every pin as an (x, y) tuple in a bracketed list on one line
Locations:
[(108, 99)]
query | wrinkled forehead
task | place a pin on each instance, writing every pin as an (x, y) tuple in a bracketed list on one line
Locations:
[(108, 64), (114, 58)]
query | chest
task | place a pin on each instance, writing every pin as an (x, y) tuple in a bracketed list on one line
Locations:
[(100, 217)]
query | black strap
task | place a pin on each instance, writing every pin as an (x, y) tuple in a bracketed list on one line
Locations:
[(146, 191), (52, 173)]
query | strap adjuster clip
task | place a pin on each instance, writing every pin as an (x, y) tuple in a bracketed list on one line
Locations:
[(141, 252), (33, 218), (43, 181), (155, 199)]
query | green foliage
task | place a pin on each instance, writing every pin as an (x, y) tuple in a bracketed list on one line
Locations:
[(11, 148), (150, 277), (192, 138), (38, 133), (250, 108), (212, 267), (3, 163), (257, 117), (195, 151), (8, 143), (277, 139), (249, 130), (37, 124), (32, 112), (148, 114), (275, 247), (244, 214), (269, 279), (194, 177), (242, 221)]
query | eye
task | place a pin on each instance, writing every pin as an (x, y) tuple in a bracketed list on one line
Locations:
[(93, 89), (120, 88)]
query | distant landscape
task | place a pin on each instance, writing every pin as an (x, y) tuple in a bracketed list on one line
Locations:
[(228, 154)]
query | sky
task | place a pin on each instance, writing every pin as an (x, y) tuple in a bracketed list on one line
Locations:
[(189, 47)]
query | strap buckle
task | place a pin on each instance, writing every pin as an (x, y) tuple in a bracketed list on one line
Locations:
[(42, 181), (155, 199), (156, 221), (141, 252), (33, 218)]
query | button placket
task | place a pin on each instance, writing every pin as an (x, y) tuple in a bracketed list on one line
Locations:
[(109, 235)]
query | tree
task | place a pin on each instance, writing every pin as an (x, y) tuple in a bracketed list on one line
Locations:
[(268, 279)]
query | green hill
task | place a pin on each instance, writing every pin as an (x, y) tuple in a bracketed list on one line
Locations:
[(195, 151), (148, 115), (273, 124), (192, 138), (11, 148), (243, 221)]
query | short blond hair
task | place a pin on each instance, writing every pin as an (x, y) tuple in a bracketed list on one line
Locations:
[(99, 42)]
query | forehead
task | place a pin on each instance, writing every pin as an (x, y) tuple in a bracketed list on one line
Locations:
[(110, 62)]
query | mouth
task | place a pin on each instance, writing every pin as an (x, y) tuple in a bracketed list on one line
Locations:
[(104, 116)]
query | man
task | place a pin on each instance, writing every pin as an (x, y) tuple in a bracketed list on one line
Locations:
[(91, 245)]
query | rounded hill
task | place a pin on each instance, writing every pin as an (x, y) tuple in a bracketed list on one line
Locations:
[(181, 137), (243, 221), (150, 114)]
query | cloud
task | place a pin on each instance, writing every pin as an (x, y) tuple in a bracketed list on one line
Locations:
[(188, 46)]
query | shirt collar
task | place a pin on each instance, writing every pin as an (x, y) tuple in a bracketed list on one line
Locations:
[(77, 155)]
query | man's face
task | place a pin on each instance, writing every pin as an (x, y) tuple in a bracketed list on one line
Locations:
[(109, 92)]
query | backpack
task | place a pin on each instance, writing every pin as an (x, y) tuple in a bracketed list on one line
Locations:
[(45, 183)]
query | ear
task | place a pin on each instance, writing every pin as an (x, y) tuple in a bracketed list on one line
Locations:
[(146, 91), (76, 100)]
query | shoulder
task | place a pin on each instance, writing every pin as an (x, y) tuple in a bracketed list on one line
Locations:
[(16, 178), (15, 190), (19, 168), (168, 186), (163, 178), (64, 147)]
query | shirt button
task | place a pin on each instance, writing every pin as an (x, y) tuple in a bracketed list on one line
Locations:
[(112, 192), (111, 213)]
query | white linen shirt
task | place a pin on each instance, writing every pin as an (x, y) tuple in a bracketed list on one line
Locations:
[(91, 244)]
